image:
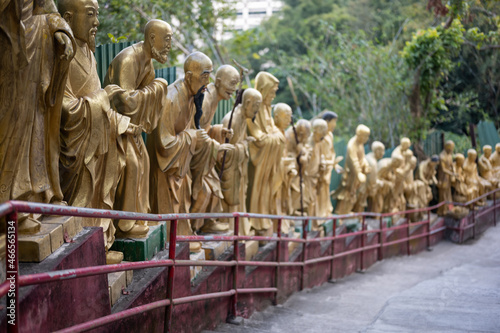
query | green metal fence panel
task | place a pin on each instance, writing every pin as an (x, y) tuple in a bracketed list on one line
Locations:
[(223, 108), (487, 133), (433, 143), (168, 74)]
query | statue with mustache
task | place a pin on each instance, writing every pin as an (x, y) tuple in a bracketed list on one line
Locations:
[(92, 134)]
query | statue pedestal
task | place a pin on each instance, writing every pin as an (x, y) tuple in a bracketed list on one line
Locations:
[(195, 270), (54, 231), (118, 281), (141, 249), (214, 249)]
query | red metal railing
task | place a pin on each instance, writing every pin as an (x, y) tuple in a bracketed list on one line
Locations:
[(14, 281)]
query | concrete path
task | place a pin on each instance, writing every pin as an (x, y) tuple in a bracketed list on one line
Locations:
[(454, 288)]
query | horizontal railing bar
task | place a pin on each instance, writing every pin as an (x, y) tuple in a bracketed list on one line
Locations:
[(95, 323), (256, 290), (196, 298), (210, 238)]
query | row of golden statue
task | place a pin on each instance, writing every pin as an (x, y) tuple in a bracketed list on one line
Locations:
[(65, 140)]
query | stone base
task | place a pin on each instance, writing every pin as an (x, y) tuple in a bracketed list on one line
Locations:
[(214, 249), (35, 248), (71, 225), (195, 270), (142, 249), (251, 249), (116, 283)]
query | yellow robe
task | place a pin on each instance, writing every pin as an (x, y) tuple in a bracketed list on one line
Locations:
[(91, 142), (143, 102)]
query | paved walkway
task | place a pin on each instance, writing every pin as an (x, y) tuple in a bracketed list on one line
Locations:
[(454, 288)]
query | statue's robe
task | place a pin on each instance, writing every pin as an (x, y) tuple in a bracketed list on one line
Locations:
[(324, 202), (234, 181), (474, 181), (369, 188), (265, 171), (347, 192), (92, 155), (486, 172), (143, 102), (171, 147), (495, 163), (311, 176), (427, 174), (32, 81), (445, 180), (386, 175), (206, 192), (463, 193)]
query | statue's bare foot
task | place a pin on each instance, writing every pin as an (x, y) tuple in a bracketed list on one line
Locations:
[(29, 226), (113, 257), (215, 227), (137, 231)]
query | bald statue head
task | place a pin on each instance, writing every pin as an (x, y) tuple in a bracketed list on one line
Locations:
[(459, 159), (319, 129), (197, 69), (81, 16), (449, 146), (396, 161), (303, 128), (250, 102), (378, 149), (282, 115), (471, 155), (405, 144), (487, 149), (158, 39), (226, 81), (362, 134)]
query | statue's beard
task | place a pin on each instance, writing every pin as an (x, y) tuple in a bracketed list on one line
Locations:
[(91, 42), (158, 56)]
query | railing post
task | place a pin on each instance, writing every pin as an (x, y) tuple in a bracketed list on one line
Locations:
[(304, 253), (428, 230), (363, 227), (495, 208), (12, 270), (334, 232), (473, 220), (171, 274), (381, 239), (278, 260), (408, 252), (236, 254)]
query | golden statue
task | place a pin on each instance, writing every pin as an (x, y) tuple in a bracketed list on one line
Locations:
[(462, 192), (282, 118), (234, 182), (417, 193), (329, 162), (472, 178), (174, 142), (206, 193), (495, 161), (91, 156), (301, 150), (445, 175), (368, 190), (37, 46), (486, 169), (319, 130), (144, 101), (387, 170), (265, 154), (427, 174), (356, 169)]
